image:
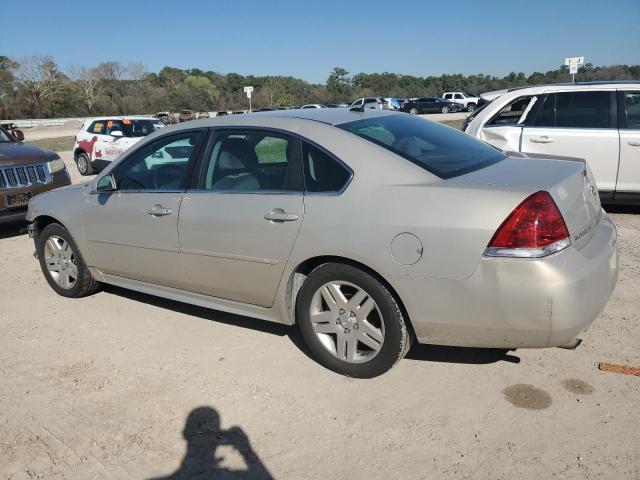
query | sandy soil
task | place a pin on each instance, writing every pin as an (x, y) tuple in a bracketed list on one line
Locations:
[(124, 385)]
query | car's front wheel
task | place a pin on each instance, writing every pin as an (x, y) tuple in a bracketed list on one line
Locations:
[(413, 111), (445, 109), (351, 322), (471, 107), (62, 264), (84, 164)]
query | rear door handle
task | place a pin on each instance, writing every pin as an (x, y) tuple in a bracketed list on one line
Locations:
[(279, 215), (159, 211), (634, 143), (543, 139)]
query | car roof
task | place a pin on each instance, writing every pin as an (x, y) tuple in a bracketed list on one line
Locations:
[(564, 86), (328, 116), (119, 117)]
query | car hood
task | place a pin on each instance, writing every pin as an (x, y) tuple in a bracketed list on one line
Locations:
[(17, 153)]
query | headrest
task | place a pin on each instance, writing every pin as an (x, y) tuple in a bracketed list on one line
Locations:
[(237, 154)]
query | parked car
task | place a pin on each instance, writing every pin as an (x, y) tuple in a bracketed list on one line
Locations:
[(186, 115), (201, 115), (469, 101), (598, 122), (101, 140), (430, 105), (13, 130), (366, 228), (25, 171), (368, 102), (167, 118), (391, 103)]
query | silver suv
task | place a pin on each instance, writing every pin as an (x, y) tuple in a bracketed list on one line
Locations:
[(598, 122)]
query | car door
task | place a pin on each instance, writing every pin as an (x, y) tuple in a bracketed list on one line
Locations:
[(504, 129), (132, 231), (238, 225), (629, 125), (579, 124)]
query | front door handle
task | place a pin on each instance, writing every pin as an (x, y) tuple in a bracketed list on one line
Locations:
[(543, 139), (634, 143), (159, 211), (279, 215)]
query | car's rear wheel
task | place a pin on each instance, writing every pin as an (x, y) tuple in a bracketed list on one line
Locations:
[(84, 164), (62, 264), (413, 111), (445, 109), (471, 107), (351, 322)]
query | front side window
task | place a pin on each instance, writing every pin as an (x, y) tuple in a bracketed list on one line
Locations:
[(159, 165), (458, 96), (323, 173), (632, 110), (441, 150), (511, 113), (252, 161)]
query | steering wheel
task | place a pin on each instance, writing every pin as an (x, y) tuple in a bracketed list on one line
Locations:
[(167, 176)]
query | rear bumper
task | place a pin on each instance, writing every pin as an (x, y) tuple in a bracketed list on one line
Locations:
[(517, 303)]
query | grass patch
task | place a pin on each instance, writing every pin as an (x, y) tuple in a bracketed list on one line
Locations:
[(60, 144)]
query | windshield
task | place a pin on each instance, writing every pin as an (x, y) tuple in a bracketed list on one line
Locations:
[(5, 137), (441, 150)]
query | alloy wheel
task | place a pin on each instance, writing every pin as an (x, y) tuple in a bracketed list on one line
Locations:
[(61, 262), (347, 321)]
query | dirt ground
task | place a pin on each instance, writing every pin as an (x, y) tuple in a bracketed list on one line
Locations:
[(125, 385)]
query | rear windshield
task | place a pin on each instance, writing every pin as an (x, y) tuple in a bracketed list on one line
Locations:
[(441, 150)]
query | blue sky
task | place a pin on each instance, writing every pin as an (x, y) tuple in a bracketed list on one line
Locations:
[(307, 39)]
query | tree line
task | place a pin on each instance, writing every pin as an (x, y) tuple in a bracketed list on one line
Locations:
[(36, 87)]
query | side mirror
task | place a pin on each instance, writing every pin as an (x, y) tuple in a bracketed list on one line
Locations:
[(19, 135), (106, 183), (117, 133)]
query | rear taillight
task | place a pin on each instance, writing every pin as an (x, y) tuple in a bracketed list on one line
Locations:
[(534, 229)]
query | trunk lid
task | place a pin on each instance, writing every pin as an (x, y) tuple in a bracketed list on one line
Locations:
[(569, 181)]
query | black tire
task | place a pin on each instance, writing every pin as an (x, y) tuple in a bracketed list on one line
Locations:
[(471, 107), (413, 111), (84, 164), (397, 337), (445, 109), (85, 284)]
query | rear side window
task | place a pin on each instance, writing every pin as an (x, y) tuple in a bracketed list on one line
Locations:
[(322, 172), (575, 110), (438, 149), (97, 127)]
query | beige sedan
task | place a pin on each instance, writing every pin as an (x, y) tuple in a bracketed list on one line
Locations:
[(369, 229)]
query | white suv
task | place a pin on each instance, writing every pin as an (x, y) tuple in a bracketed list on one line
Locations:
[(101, 140), (469, 100), (598, 122)]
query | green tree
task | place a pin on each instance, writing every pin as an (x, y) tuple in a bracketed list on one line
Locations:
[(339, 84)]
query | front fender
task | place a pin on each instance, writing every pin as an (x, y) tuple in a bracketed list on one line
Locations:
[(66, 207)]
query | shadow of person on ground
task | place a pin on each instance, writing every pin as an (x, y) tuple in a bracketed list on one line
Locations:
[(203, 435)]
